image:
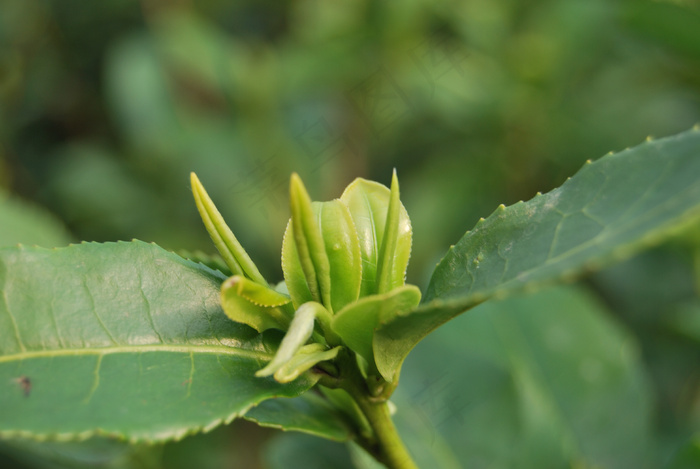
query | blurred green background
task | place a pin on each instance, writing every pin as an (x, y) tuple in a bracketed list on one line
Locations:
[(105, 108)]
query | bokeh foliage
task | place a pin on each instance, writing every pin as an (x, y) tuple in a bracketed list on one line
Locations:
[(105, 108)]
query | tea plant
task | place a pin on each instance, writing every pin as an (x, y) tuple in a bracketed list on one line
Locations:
[(130, 341)]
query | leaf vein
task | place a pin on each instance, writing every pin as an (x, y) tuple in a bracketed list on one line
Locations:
[(18, 337), (147, 302), (96, 380), (189, 380), (93, 308), (213, 349)]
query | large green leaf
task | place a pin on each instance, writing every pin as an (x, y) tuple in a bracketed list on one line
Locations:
[(535, 381), (122, 339), (610, 209)]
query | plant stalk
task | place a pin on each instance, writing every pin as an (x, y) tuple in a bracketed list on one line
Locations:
[(390, 449), (387, 446)]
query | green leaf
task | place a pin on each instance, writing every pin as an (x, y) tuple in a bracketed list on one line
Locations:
[(256, 293), (226, 243), (341, 248), (268, 311), (294, 277), (300, 330), (368, 202), (356, 324), (543, 380), (213, 261), (125, 340), (310, 246), (609, 210), (308, 413), (306, 358), (387, 250)]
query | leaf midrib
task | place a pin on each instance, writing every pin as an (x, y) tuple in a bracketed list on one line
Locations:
[(172, 348)]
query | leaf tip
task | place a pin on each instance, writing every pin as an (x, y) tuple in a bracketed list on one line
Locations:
[(298, 195), (295, 182), (197, 187)]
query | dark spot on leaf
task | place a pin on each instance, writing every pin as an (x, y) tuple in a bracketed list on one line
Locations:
[(26, 384)]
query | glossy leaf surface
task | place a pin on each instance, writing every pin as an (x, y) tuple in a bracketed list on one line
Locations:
[(368, 202), (610, 209), (341, 248), (121, 339)]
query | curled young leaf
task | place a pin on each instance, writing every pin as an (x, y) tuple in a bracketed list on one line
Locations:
[(306, 358), (260, 295), (253, 304), (300, 330)]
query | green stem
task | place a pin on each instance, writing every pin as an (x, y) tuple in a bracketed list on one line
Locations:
[(387, 446), (391, 450)]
